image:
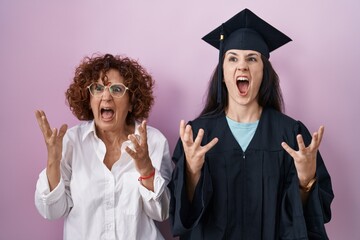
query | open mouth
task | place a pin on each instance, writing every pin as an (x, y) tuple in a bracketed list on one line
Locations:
[(107, 113), (243, 85)]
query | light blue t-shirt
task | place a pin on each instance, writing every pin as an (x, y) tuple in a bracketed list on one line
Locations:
[(243, 132)]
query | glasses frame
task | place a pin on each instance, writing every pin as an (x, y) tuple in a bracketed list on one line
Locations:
[(109, 87)]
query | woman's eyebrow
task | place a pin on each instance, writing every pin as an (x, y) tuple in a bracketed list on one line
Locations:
[(247, 55), (232, 53), (252, 54)]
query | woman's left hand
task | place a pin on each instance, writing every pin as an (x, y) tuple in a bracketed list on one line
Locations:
[(305, 157), (140, 153)]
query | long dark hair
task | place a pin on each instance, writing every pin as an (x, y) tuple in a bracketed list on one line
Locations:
[(269, 93)]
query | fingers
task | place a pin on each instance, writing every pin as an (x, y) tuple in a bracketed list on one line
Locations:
[(182, 129), (301, 146), (199, 137), (321, 133), (142, 139), (62, 130), (49, 134), (207, 147), (131, 152), (186, 135), (139, 142), (300, 142), (211, 144), (135, 150), (52, 139), (38, 114), (288, 149), (316, 138), (305, 150), (143, 133), (43, 123)]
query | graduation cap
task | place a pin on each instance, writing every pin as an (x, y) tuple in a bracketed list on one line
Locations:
[(245, 31)]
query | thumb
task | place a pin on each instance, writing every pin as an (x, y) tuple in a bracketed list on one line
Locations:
[(63, 130)]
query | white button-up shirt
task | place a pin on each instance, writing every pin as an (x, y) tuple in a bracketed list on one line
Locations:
[(101, 204)]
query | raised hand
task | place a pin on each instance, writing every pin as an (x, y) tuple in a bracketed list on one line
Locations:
[(305, 157), (194, 154), (140, 155), (53, 140)]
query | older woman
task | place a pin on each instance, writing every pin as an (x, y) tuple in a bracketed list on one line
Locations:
[(108, 175)]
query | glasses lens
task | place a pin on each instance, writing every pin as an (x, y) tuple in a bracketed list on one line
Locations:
[(96, 89), (117, 90)]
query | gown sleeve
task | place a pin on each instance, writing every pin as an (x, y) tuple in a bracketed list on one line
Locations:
[(186, 215), (316, 212)]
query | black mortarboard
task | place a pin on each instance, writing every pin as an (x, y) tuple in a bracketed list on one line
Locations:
[(244, 31)]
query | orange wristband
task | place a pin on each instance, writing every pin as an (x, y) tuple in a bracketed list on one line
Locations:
[(146, 177)]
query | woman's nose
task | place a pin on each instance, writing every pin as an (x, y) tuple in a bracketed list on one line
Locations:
[(242, 65), (106, 94)]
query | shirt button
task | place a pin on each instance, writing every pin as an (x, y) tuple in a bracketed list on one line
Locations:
[(108, 226)]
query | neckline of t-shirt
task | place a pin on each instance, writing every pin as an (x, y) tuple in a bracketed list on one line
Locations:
[(242, 125)]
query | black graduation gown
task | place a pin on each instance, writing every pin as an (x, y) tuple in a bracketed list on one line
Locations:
[(253, 194)]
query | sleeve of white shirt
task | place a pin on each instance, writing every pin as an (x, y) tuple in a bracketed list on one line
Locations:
[(57, 203), (156, 204)]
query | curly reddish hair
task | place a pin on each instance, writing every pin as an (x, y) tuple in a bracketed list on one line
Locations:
[(136, 78)]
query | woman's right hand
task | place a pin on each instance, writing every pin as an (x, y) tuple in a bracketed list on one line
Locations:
[(194, 154), (53, 140)]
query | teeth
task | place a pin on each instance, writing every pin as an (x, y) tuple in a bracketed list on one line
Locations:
[(242, 79)]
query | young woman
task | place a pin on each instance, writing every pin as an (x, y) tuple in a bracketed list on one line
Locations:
[(245, 170)]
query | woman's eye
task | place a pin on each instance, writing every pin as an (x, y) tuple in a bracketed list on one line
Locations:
[(232, 59), (117, 89), (99, 88), (252, 59)]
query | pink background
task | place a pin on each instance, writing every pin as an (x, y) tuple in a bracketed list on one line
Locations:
[(43, 41)]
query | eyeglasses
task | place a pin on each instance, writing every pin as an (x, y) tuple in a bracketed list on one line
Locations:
[(116, 90)]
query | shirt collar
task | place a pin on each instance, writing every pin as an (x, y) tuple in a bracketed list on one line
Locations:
[(90, 128)]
